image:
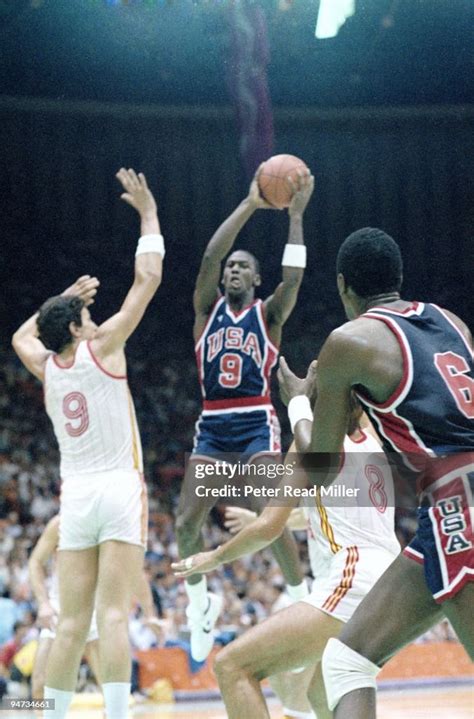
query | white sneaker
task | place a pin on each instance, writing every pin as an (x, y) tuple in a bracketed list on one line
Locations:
[(202, 627)]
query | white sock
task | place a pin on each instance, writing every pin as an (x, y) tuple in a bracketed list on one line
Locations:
[(61, 700), (197, 595), (116, 696), (293, 714), (298, 591)]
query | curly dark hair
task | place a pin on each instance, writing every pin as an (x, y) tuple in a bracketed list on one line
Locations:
[(54, 318), (371, 262)]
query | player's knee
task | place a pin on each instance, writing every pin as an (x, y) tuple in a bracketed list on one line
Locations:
[(112, 619), (225, 666), (345, 670), (74, 630)]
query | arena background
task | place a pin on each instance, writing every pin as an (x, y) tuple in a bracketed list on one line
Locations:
[(383, 114)]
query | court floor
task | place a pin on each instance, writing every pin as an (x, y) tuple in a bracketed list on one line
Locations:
[(444, 703)]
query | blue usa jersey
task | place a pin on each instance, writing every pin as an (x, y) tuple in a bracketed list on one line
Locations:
[(432, 410), (235, 357)]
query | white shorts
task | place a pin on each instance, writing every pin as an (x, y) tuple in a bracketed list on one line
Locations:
[(51, 633), (96, 508), (351, 574)]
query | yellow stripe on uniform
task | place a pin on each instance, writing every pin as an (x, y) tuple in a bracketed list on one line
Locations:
[(326, 528), (346, 582), (135, 452)]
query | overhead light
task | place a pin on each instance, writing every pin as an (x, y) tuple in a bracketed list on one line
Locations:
[(331, 17)]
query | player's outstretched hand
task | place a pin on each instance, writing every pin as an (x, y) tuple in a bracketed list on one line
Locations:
[(303, 187), (291, 385), (137, 193), (237, 518), (197, 564), (254, 197), (84, 287)]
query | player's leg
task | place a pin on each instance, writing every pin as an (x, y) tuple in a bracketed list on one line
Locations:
[(119, 570), (398, 609), (77, 574), (284, 549), (290, 639), (193, 511), (459, 611), (92, 655), (38, 675), (317, 694), (292, 689)]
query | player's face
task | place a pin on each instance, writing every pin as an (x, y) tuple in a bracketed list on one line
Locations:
[(239, 274)]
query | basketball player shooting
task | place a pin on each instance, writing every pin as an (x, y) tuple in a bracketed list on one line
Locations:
[(237, 338), (103, 510)]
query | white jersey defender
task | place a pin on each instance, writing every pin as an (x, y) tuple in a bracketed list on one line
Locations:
[(352, 542), (93, 416), (103, 495)]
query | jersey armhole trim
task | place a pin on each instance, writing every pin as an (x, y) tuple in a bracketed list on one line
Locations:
[(102, 369), (404, 385), (209, 320)]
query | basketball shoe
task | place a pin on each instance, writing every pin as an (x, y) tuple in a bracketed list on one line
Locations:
[(202, 627)]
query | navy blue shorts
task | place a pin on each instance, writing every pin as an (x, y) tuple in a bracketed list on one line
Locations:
[(444, 541), (245, 434)]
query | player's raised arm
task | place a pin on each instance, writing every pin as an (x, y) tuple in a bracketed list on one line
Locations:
[(26, 341), (219, 246), (279, 306), (43, 551), (114, 332)]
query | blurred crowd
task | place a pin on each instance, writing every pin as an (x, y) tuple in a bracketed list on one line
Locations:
[(167, 403)]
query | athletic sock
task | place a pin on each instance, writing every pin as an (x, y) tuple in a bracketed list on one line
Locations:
[(62, 700), (298, 591), (197, 595), (116, 695)]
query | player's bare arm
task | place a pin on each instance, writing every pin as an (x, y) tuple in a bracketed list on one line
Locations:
[(206, 290), (236, 518), (280, 305), (41, 554), (26, 342), (114, 332), (257, 535), (292, 386)]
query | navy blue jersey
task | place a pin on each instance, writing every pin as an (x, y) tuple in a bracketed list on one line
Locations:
[(432, 410), (235, 357)]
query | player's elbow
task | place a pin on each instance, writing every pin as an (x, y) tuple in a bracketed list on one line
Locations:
[(149, 276)]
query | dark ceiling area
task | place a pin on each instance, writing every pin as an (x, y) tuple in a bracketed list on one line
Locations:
[(391, 52)]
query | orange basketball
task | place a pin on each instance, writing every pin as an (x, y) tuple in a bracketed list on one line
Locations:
[(273, 179)]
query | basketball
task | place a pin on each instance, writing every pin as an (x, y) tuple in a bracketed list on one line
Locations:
[(273, 179)]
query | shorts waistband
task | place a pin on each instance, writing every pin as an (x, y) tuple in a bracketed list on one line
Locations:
[(236, 403)]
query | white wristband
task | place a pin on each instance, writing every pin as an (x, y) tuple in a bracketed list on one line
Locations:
[(151, 243), (294, 256), (299, 408)]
